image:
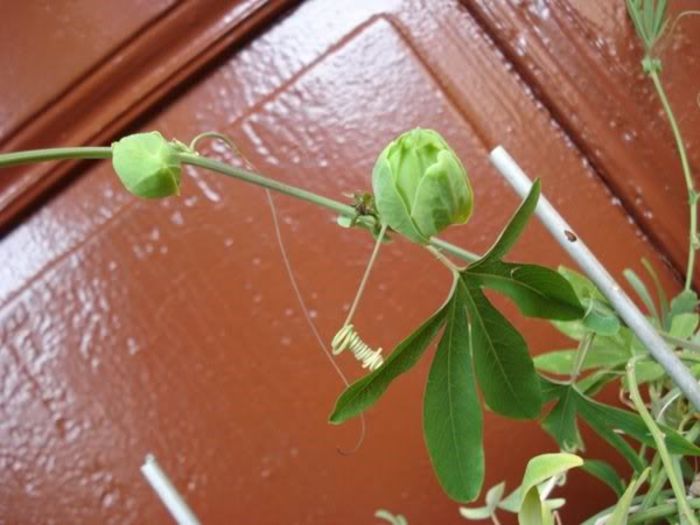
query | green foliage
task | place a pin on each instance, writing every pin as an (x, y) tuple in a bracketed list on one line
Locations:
[(599, 316), (537, 291), (534, 508), (148, 165), (684, 303), (478, 345), (619, 517), (492, 502), (452, 419), (420, 185), (364, 393), (511, 233), (609, 422), (505, 372), (605, 473), (504, 368), (649, 18)]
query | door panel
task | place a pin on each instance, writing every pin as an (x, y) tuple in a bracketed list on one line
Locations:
[(582, 58), (130, 326)]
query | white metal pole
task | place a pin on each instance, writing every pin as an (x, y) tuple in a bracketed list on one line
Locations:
[(167, 492), (580, 253)]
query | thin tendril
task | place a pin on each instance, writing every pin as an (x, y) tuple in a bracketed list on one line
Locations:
[(668, 33), (365, 277), (310, 322), (221, 137), (292, 279)]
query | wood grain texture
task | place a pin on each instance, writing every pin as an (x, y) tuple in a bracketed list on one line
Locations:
[(129, 326), (582, 60), (120, 87)]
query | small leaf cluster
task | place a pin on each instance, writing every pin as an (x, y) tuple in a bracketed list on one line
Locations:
[(611, 347)]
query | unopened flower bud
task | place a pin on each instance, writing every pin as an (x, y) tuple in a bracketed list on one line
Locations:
[(147, 165), (420, 186)]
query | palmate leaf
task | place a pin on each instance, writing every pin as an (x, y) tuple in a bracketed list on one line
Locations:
[(477, 338), (452, 419)]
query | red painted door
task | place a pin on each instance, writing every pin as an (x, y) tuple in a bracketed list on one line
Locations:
[(130, 326)]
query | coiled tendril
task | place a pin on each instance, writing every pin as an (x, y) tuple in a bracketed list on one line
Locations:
[(348, 338)]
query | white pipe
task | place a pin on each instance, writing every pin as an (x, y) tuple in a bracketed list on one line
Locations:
[(578, 251), (167, 492)]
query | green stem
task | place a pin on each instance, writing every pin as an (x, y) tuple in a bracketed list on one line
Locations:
[(661, 511), (42, 155), (659, 440), (463, 254), (265, 182), (692, 194), (365, 277), (444, 260), (659, 481), (581, 353)]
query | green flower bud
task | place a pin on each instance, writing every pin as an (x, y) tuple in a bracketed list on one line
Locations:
[(147, 165), (420, 186)]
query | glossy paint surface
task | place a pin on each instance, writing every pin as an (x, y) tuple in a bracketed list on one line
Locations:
[(171, 327), (47, 46), (583, 59)]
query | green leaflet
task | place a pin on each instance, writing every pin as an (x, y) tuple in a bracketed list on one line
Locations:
[(536, 290), (683, 326), (642, 292), (660, 292), (504, 368), (608, 433), (603, 354), (363, 393), (452, 419), (503, 365), (605, 473), (684, 303), (599, 316), (491, 503), (513, 229), (533, 510), (631, 424), (561, 424)]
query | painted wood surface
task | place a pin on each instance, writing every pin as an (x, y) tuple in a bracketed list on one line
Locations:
[(131, 326)]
